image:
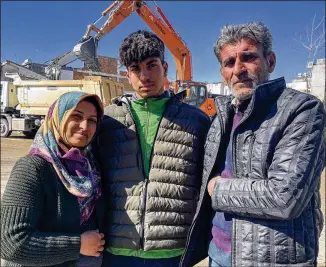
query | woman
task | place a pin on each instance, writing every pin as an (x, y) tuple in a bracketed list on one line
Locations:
[(50, 211)]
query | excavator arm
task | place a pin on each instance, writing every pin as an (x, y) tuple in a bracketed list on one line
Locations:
[(196, 92), (170, 38), (120, 10), (86, 49)]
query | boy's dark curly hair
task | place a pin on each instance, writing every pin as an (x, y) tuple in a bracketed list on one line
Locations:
[(140, 45)]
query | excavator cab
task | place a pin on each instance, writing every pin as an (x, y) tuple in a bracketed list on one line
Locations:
[(194, 93), (86, 51)]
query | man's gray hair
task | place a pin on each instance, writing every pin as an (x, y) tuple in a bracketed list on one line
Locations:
[(254, 31)]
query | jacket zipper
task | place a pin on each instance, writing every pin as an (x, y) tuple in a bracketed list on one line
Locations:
[(141, 246), (244, 118), (234, 171), (251, 145), (142, 219), (144, 197), (234, 233), (142, 238), (218, 114)]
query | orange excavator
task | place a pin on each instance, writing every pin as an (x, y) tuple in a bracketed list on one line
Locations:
[(86, 49)]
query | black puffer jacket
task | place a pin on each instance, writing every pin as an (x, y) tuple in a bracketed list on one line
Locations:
[(274, 199)]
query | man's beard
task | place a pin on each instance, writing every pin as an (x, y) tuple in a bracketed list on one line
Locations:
[(256, 81)]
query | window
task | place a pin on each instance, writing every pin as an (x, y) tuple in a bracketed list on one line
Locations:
[(196, 95), (191, 97)]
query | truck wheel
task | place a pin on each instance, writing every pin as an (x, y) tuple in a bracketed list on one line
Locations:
[(4, 128), (29, 134)]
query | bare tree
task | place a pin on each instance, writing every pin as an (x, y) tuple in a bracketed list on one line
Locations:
[(313, 41)]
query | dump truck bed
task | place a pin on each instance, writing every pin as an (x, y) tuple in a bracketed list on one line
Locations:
[(35, 97)]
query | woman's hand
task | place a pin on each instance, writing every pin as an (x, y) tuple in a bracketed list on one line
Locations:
[(91, 243), (211, 184)]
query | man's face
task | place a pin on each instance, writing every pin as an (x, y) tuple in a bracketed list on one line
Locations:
[(244, 67), (147, 77)]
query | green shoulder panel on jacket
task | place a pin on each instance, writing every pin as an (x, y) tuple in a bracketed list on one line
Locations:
[(147, 114)]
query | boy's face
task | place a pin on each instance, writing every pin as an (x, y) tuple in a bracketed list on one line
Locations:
[(147, 77)]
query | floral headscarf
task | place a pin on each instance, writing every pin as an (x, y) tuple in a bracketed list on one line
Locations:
[(73, 166)]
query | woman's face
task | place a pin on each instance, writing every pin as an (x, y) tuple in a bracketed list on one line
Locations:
[(81, 125)]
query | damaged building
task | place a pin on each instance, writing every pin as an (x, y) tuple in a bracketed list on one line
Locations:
[(28, 70)]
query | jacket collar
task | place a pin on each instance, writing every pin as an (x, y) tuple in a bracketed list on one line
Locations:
[(263, 93), (166, 94), (269, 90), (127, 98)]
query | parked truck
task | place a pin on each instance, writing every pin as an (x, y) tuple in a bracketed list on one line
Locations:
[(24, 103)]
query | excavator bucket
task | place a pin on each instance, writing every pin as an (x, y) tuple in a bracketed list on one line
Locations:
[(86, 51)]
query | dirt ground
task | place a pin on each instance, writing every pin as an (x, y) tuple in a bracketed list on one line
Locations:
[(16, 146)]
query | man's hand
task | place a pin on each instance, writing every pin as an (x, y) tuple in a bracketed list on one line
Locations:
[(92, 243), (211, 184)]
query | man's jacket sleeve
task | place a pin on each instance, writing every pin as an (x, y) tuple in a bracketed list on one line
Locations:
[(293, 175)]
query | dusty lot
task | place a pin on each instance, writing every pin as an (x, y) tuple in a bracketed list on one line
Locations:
[(16, 146), (11, 150)]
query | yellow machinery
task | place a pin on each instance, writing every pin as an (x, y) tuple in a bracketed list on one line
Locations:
[(31, 99)]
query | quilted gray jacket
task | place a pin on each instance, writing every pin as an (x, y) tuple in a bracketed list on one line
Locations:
[(154, 212), (273, 198)]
